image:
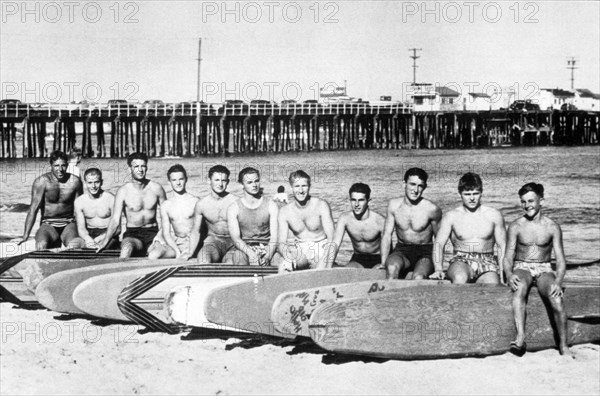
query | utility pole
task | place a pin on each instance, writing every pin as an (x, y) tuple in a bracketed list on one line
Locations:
[(571, 65), (199, 93), (414, 58)]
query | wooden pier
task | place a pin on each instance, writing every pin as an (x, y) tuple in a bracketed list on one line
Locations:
[(196, 129)]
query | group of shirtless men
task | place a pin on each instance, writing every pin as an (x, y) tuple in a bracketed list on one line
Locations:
[(253, 229)]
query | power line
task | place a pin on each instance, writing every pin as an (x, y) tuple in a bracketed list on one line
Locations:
[(414, 58)]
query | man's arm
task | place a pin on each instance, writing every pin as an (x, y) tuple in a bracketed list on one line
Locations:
[(37, 195), (386, 236), (282, 231), (195, 234), (561, 264), (328, 228), (435, 219), (115, 219), (338, 235), (273, 224), (444, 231), (166, 228), (162, 197), (236, 236), (81, 225), (500, 237), (509, 256)]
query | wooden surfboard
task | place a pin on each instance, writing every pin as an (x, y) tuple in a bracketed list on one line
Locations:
[(99, 296), (56, 291), (247, 305), (426, 322), (143, 300), (292, 311), (13, 269)]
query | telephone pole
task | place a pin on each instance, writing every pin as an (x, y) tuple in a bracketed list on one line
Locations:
[(571, 65), (199, 93), (414, 58)]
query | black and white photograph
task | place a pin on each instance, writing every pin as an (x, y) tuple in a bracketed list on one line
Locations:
[(305, 197)]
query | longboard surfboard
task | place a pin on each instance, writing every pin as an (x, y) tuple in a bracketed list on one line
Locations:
[(426, 322), (56, 291), (292, 311), (247, 305), (99, 296), (146, 300), (13, 269)]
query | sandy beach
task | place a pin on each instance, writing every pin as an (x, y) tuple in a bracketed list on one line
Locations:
[(43, 352)]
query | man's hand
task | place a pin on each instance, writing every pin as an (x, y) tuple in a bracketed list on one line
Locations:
[(19, 241), (513, 282), (556, 290), (438, 275)]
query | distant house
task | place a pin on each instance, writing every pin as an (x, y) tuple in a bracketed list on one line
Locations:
[(427, 97), (424, 97), (552, 98), (449, 99), (584, 99), (477, 101)]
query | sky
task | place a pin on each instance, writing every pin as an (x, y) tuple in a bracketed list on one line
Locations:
[(63, 51)]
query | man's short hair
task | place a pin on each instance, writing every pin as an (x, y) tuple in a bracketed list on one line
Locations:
[(247, 171), (176, 168), (136, 156), (535, 187), (92, 171), (75, 152), (470, 181), (420, 173), (299, 174), (360, 188), (57, 154), (218, 169)]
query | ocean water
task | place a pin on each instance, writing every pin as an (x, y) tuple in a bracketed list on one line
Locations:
[(570, 175)]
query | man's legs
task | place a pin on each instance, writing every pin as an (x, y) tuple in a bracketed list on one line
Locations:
[(130, 245), (70, 237), (397, 265), (519, 304), (544, 284), (46, 237), (459, 271), (423, 268)]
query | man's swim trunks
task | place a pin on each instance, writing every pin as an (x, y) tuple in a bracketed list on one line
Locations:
[(218, 244), (183, 244), (145, 235), (366, 260), (535, 269), (96, 232), (59, 224), (313, 252), (414, 253), (480, 263)]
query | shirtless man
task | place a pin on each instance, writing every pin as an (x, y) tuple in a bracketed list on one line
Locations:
[(364, 226), (177, 212), (139, 200), (93, 211), (474, 230), (416, 222), (311, 222), (54, 194), (212, 210), (533, 237), (252, 222)]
